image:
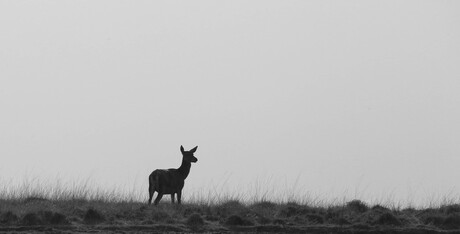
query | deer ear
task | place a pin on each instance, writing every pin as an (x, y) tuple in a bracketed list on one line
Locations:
[(193, 150), (181, 149)]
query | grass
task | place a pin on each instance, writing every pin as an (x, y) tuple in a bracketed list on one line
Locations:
[(84, 207)]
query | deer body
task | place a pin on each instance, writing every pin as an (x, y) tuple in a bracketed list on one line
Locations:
[(171, 181)]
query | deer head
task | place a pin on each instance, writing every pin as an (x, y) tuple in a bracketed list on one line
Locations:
[(188, 155)]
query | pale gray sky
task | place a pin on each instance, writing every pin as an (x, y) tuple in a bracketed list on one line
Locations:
[(342, 95)]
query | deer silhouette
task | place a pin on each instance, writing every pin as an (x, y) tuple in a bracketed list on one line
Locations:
[(171, 181)]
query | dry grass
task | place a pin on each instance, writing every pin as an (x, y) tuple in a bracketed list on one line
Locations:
[(83, 206)]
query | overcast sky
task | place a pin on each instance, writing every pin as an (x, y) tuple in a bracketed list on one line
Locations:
[(342, 95)]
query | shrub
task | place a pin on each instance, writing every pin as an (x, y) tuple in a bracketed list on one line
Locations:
[(49, 217), (289, 211), (388, 218), (357, 206), (229, 208), (58, 219), (92, 216), (45, 215), (31, 219), (236, 220), (380, 208)]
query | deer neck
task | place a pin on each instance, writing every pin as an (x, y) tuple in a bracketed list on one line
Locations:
[(184, 169)]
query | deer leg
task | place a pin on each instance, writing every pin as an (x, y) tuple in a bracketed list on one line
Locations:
[(151, 191), (179, 195), (172, 198), (159, 196)]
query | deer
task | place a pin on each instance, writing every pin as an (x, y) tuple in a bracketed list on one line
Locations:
[(171, 181)]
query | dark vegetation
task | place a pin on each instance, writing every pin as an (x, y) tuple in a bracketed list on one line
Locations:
[(28, 215)]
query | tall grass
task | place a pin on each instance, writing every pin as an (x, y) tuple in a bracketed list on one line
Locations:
[(41, 202), (88, 189), (257, 191), (84, 189)]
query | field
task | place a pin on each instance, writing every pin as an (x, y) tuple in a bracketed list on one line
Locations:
[(79, 209)]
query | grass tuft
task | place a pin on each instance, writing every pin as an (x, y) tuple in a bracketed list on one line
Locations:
[(93, 216)]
